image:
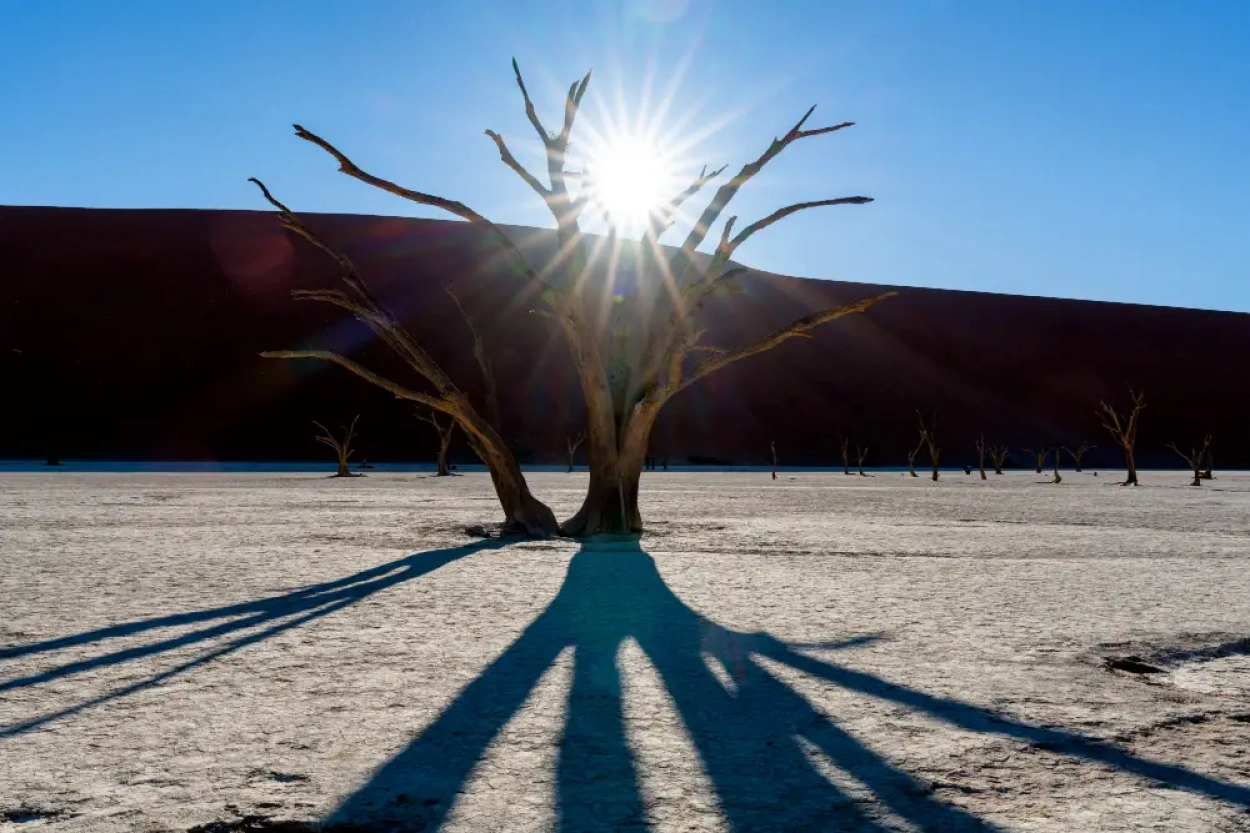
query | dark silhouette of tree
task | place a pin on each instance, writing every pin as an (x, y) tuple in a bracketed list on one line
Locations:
[(445, 431), (861, 454), (1078, 454), (928, 438), (572, 444), (1039, 456), (981, 449), (1195, 457), (844, 445), (911, 457), (772, 447), (999, 455), (1122, 425), (341, 444)]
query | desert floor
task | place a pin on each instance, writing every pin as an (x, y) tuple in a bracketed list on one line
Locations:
[(817, 653)]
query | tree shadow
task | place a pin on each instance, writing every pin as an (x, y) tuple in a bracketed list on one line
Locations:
[(254, 621), (755, 737)]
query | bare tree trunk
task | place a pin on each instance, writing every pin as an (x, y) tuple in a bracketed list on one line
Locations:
[(861, 454), (444, 443), (981, 447), (846, 455), (911, 460), (1131, 465), (342, 446), (1058, 477)]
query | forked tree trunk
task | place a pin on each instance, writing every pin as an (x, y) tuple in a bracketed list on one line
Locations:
[(861, 454)]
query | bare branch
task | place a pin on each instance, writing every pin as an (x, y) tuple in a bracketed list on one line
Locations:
[(483, 359), (663, 218), (782, 213), (793, 330), (455, 207), (511, 162), (726, 192), (530, 112), (363, 372)]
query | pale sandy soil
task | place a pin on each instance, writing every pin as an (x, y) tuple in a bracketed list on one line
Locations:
[(819, 653)]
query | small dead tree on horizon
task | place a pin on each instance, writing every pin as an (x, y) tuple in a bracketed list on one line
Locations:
[(772, 447), (845, 446), (1122, 425), (572, 444), (445, 431), (1039, 456), (861, 454), (1208, 473), (911, 457), (1195, 457), (981, 449), (999, 455), (342, 445), (1078, 454), (928, 438)]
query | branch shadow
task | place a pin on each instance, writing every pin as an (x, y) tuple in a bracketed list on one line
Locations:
[(272, 615), (754, 738)]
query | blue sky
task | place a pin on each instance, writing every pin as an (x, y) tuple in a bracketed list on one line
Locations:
[(1057, 147)]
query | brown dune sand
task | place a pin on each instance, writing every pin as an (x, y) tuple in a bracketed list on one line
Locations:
[(819, 653)]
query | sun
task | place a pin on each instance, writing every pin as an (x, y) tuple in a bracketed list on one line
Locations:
[(630, 179)]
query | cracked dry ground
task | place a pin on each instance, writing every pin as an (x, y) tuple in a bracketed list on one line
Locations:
[(824, 652)]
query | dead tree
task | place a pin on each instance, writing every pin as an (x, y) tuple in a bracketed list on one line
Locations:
[(1195, 457), (981, 449), (341, 444), (861, 454), (928, 438), (845, 447), (911, 457), (650, 347), (445, 431), (1058, 477), (572, 444), (1122, 425), (1039, 457), (1208, 473), (772, 447), (1078, 454), (999, 455), (521, 509)]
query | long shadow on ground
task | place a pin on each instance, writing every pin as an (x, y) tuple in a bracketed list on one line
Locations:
[(255, 621), (750, 737)]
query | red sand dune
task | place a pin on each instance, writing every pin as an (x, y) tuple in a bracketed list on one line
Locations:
[(134, 335)]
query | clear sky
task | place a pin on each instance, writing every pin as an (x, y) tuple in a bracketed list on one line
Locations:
[(1075, 148)]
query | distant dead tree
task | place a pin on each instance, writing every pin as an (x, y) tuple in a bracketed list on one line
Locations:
[(772, 446), (1039, 456), (341, 444), (861, 454), (981, 449), (1208, 473), (999, 455), (928, 438), (1195, 458), (845, 444), (445, 431), (572, 444), (911, 457), (1078, 454), (1122, 425)]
